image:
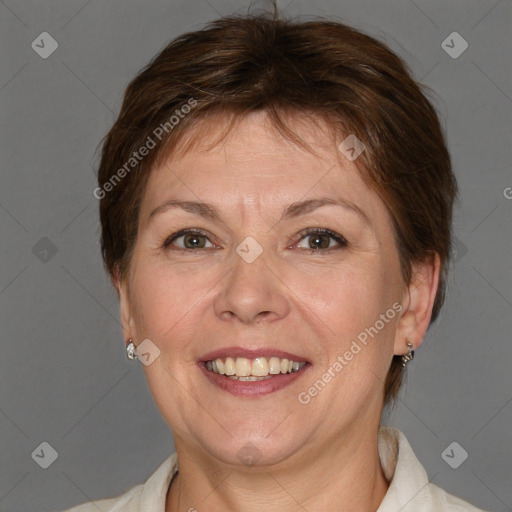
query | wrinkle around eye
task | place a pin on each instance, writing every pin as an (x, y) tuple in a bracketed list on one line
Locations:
[(340, 241), (342, 233)]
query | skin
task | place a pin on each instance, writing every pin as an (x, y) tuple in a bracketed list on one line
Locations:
[(319, 456)]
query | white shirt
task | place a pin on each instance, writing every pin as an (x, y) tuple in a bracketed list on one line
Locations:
[(409, 489)]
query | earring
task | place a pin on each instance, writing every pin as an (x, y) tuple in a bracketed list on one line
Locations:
[(130, 350), (409, 356)]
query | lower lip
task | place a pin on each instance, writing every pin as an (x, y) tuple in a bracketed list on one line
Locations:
[(253, 388)]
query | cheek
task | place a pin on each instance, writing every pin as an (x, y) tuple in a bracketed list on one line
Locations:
[(359, 312), (337, 301), (354, 297), (163, 297)]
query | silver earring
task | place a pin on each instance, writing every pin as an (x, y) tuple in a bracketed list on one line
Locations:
[(409, 356), (130, 350)]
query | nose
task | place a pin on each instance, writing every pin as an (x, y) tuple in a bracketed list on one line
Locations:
[(252, 292)]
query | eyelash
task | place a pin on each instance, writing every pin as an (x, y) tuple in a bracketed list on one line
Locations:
[(303, 234)]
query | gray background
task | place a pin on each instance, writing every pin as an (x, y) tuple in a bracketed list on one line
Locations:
[(64, 377)]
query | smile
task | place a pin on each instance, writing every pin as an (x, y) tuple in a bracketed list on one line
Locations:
[(259, 368)]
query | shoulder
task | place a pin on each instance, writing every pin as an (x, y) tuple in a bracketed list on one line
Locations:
[(147, 497), (410, 489), (450, 503), (127, 502)]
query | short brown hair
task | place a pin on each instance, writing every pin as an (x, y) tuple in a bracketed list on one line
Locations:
[(324, 69)]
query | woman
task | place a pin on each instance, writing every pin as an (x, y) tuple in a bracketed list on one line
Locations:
[(276, 202)]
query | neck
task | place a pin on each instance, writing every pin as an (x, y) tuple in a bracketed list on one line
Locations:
[(345, 476)]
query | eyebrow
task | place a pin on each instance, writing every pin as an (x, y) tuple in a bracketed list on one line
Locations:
[(292, 211)]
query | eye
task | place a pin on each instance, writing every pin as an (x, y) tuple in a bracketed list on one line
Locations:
[(192, 239), (319, 239)]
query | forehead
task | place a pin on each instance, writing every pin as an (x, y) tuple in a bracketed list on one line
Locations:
[(256, 166)]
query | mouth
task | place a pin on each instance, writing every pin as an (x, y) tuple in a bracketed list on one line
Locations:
[(252, 370), (252, 373)]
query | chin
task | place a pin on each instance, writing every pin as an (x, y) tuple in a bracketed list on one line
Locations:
[(251, 449)]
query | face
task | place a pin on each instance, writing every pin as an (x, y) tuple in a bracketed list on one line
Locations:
[(294, 259)]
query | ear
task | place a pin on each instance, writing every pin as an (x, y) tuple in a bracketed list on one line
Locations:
[(123, 292), (418, 301)]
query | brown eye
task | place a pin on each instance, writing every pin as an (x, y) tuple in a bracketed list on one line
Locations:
[(321, 239), (193, 241), (188, 240)]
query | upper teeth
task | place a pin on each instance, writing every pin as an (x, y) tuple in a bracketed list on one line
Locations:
[(259, 367)]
